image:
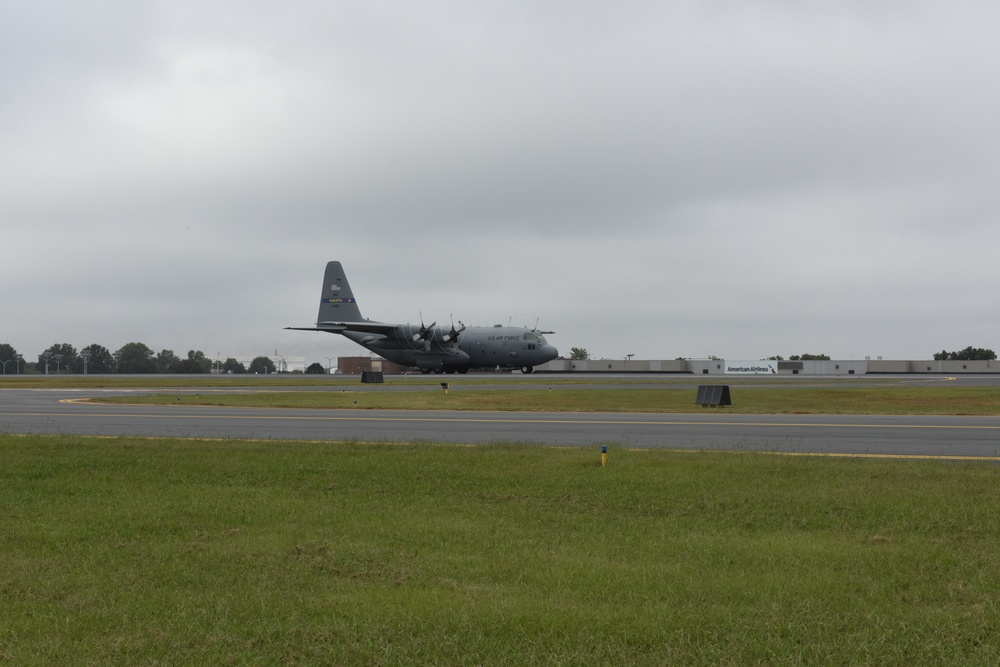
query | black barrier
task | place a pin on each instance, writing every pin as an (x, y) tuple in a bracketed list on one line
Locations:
[(713, 395), (371, 377)]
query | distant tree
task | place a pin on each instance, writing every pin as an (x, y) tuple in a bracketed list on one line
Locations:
[(261, 365), (809, 357), (579, 353), (9, 354), (166, 361), (315, 368), (776, 357), (198, 357), (184, 366), (98, 361), (968, 354), (196, 362), (233, 366), (59, 357), (135, 358)]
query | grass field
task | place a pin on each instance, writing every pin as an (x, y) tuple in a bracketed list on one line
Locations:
[(351, 381), (936, 398), (136, 551), (300, 379)]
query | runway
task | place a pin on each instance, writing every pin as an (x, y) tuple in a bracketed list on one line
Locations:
[(55, 411)]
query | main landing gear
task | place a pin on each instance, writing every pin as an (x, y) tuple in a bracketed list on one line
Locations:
[(526, 370)]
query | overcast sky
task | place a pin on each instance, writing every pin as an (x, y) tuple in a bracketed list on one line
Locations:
[(664, 179)]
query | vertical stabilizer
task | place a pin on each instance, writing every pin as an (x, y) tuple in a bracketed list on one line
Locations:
[(337, 303)]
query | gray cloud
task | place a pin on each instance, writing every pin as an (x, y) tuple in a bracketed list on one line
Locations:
[(658, 179)]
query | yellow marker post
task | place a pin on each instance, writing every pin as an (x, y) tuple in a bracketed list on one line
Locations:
[(444, 385), (604, 455)]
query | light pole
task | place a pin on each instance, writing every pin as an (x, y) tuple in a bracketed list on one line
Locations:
[(46, 356), (86, 356), (5, 364), (329, 364), (58, 358)]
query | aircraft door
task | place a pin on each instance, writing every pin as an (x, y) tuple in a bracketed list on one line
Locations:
[(479, 354), (472, 347)]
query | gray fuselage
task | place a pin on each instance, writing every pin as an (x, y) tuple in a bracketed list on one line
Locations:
[(475, 347)]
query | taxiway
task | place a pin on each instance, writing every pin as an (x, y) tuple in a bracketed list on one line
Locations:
[(60, 411)]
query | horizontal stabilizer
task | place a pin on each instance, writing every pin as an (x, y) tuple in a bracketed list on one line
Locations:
[(327, 328), (364, 327)]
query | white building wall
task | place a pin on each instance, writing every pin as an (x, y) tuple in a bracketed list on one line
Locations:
[(716, 367)]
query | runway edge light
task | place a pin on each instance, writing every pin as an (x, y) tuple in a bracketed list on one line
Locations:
[(604, 455)]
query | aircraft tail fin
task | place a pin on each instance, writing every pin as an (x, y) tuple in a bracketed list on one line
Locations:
[(337, 303)]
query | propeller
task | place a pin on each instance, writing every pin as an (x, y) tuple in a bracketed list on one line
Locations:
[(453, 334), (425, 333)]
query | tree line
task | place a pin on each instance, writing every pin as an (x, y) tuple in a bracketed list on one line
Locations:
[(968, 354), (802, 357), (129, 358)]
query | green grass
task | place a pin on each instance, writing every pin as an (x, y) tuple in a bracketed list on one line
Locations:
[(36, 381), (148, 551), (867, 399)]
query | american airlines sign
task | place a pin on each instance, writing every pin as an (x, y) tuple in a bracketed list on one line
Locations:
[(751, 368)]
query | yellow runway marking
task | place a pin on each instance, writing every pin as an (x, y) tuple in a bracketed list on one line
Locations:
[(837, 455)]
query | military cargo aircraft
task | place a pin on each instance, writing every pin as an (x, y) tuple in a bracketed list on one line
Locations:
[(429, 348)]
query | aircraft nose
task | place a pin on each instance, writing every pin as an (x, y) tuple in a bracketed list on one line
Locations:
[(550, 351)]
